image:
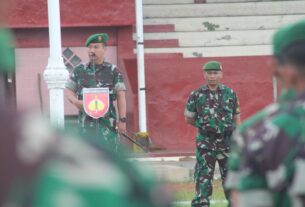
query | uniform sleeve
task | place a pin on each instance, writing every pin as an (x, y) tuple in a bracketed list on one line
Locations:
[(236, 109), (72, 81), (119, 84), (190, 108), (245, 174), (237, 159), (234, 161)]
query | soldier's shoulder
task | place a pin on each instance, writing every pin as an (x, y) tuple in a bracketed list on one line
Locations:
[(109, 65), (226, 88), (201, 89), (260, 116), (80, 67), (290, 119), (278, 117)]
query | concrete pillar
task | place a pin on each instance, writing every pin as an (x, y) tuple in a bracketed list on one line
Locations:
[(55, 73)]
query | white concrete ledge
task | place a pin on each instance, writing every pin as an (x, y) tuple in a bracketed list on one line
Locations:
[(172, 173), (233, 1), (198, 24), (146, 2), (227, 51), (216, 38), (161, 159), (229, 9)]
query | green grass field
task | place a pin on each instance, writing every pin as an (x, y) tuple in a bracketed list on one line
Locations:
[(185, 192)]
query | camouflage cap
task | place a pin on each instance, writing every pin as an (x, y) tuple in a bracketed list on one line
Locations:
[(97, 38), (288, 35), (212, 65)]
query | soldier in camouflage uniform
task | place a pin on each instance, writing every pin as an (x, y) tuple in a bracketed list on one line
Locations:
[(214, 110), (267, 162), (95, 74)]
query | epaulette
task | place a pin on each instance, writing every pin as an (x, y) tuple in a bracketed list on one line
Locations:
[(82, 65)]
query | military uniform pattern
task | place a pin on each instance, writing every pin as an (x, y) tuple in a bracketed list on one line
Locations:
[(213, 112), (95, 76), (204, 173), (270, 171), (61, 171)]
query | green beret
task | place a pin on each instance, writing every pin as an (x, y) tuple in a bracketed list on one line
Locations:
[(97, 38), (288, 35), (212, 65)]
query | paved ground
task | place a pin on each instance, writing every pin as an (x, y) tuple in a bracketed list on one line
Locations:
[(172, 169)]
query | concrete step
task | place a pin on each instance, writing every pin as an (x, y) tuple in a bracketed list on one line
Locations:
[(214, 10), (156, 2), (167, 43), (216, 38), (233, 1), (198, 24), (225, 51), (172, 173)]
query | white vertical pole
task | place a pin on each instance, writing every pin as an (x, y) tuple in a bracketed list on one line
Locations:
[(141, 68), (55, 73)]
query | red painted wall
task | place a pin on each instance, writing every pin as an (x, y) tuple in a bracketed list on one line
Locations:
[(33, 13), (170, 80), (76, 36)]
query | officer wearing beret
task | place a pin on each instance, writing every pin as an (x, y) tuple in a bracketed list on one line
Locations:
[(213, 109), (267, 162), (95, 74)]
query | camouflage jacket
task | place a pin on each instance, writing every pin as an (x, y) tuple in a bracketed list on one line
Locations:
[(89, 76), (267, 160), (213, 112)]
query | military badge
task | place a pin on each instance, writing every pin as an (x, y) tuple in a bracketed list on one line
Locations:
[(96, 101)]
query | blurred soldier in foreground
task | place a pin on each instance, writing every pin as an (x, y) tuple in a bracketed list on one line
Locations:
[(267, 162), (7, 64), (43, 168)]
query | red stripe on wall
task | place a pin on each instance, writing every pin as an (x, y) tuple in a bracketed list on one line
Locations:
[(161, 43), (76, 13), (39, 37)]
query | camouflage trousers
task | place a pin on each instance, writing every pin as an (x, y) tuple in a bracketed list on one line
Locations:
[(98, 130), (204, 173)]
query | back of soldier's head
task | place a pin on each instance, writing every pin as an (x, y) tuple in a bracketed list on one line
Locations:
[(289, 45)]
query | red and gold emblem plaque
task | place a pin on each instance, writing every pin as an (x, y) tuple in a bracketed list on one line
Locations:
[(96, 101)]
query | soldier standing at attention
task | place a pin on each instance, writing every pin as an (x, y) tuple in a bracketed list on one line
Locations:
[(267, 162), (214, 110), (99, 74)]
